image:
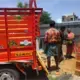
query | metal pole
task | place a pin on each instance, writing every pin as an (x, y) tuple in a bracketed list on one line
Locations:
[(31, 2)]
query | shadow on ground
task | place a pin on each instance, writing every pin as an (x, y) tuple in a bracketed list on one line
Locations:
[(32, 75)]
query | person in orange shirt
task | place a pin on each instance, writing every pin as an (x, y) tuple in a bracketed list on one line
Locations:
[(51, 39), (70, 43)]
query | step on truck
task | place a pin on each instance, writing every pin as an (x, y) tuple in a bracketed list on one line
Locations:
[(19, 28)]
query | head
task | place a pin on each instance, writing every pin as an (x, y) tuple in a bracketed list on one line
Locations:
[(52, 24), (62, 29), (68, 30)]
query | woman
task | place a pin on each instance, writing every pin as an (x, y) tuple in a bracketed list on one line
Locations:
[(70, 43)]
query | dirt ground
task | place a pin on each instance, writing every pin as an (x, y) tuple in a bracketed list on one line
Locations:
[(66, 66)]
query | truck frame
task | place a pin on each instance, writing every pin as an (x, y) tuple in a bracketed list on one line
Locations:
[(19, 29)]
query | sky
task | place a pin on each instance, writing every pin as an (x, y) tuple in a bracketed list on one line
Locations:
[(56, 8)]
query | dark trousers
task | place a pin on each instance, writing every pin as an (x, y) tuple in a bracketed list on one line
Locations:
[(60, 54), (70, 49)]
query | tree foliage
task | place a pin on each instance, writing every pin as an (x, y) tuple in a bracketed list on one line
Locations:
[(21, 5), (45, 18)]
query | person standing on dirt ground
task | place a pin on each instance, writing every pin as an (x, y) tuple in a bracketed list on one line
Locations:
[(51, 39), (70, 43), (62, 36)]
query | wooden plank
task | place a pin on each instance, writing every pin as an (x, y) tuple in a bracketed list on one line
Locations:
[(78, 70), (77, 60), (42, 63)]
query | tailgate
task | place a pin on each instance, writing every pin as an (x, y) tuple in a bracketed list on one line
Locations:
[(18, 31)]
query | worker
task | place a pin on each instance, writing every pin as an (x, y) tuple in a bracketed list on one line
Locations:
[(70, 43), (62, 36), (51, 39)]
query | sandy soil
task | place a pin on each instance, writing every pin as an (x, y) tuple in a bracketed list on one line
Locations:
[(66, 66)]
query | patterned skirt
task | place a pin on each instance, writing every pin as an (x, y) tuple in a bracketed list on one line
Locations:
[(51, 50)]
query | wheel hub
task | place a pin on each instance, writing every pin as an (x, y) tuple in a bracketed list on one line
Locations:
[(6, 76)]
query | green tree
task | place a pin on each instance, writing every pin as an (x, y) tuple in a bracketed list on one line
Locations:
[(20, 5), (45, 18)]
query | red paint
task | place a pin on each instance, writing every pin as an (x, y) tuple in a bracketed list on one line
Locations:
[(27, 28)]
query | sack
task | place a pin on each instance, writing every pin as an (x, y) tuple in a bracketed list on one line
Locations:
[(69, 42)]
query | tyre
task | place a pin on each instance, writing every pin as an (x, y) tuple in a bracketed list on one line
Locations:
[(9, 74)]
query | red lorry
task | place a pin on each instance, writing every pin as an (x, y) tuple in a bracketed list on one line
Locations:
[(19, 28)]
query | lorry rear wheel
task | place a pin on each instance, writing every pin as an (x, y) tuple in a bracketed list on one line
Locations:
[(9, 74)]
